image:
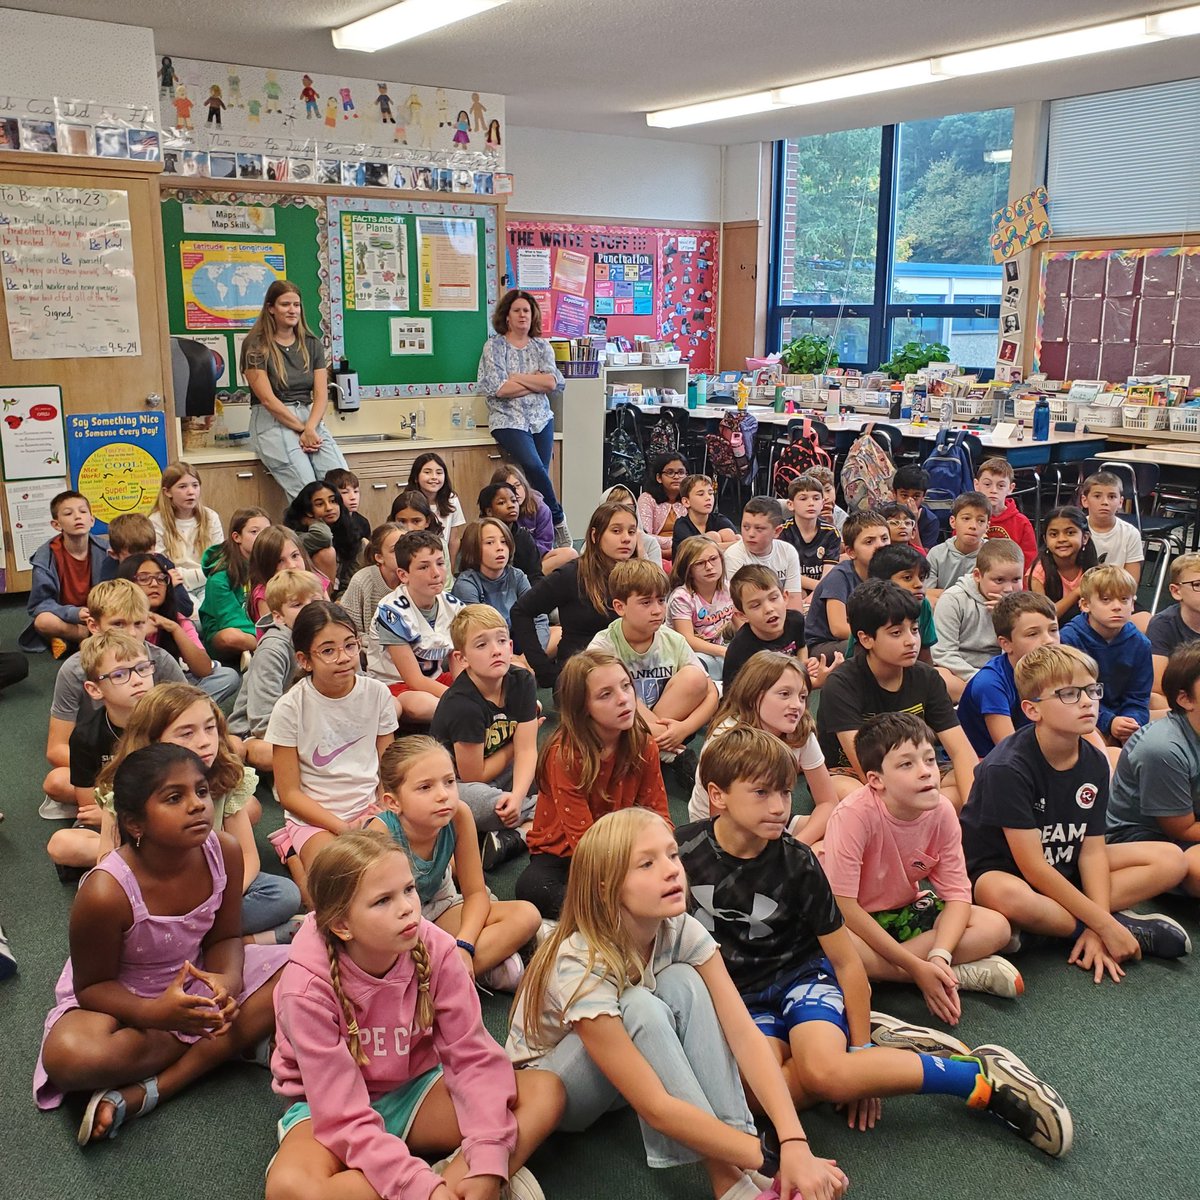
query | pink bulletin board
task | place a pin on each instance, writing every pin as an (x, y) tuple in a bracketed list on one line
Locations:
[(1112, 313), (644, 281)]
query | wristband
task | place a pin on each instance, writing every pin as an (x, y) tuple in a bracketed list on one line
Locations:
[(864, 1046), (940, 952), (467, 946), (798, 1138)]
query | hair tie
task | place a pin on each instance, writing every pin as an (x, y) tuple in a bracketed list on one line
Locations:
[(352, 1028)]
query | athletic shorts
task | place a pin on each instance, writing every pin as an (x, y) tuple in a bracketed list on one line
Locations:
[(810, 994), (398, 1109), (911, 920), (291, 836), (399, 688)]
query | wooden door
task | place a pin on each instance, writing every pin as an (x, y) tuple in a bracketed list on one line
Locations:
[(471, 470), (118, 384)]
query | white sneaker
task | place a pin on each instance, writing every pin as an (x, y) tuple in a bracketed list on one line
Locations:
[(994, 975), (522, 1186), (900, 1035), (504, 976), (53, 810)]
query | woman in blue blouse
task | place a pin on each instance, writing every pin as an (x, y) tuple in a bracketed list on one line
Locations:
[(517, 373)]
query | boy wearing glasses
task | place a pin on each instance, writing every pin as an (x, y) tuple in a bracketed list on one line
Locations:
[(1179, 623), (1033, 830)]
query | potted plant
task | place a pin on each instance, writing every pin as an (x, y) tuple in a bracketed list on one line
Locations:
[(808, 355), (912, 356)]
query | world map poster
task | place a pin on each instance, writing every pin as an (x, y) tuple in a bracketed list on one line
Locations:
[(224, 282)]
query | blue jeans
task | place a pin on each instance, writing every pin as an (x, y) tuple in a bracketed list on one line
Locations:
[(223, 685), (532, 452), (268, 902)]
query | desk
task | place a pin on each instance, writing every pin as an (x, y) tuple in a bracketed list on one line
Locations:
[(1172, 458)]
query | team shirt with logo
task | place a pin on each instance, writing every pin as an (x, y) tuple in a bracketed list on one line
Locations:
[(399, 622)]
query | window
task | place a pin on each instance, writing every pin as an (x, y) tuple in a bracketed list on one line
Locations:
[(925, 191)]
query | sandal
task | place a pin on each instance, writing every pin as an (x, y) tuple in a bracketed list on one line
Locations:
[(121, 1113)]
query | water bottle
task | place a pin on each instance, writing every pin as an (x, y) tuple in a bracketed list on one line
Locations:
[(1041, 420), (834, 406)]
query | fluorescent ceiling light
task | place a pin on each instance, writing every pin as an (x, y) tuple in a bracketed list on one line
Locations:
[(402, 22), (997, 156), (1182, 22), (859, 83), (1117, 35), (712, 110)]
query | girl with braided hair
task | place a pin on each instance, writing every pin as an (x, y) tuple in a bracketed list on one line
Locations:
[(381, 1048)]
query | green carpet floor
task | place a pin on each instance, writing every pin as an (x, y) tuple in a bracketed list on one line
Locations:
[(1119, 1055)]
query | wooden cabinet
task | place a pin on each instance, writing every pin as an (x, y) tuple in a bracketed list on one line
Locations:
[(471, 470), (230, 486), (382, 477)]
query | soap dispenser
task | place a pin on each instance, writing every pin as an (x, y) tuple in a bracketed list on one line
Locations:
[(346, 397)]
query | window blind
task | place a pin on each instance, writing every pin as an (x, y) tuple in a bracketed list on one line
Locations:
[(1126, 162)]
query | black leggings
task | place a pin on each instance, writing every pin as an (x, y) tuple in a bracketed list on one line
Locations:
[(544, 883), (13, 668)]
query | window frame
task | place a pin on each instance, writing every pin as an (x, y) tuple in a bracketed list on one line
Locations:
[(881, 313)]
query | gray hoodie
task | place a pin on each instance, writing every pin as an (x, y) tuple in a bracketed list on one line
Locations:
[(272, 667), (966, 635)]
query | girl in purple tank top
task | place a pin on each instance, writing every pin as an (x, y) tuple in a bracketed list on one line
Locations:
[(158, 988)]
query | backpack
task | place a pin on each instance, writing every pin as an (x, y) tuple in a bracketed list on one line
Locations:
[(731, 448), (801, 452), (951, 473), (626, 462), (662, 438), (866, 474)]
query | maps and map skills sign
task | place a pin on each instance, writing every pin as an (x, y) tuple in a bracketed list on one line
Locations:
[(224, 283)]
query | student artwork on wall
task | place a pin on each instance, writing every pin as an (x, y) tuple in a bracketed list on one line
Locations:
[(641, 281), (1110, 314), (1019, 226)]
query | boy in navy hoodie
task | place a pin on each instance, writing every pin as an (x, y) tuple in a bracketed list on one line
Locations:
[(1122, 652)]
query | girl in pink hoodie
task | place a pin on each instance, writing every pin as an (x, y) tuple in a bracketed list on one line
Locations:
[(381, 1047)]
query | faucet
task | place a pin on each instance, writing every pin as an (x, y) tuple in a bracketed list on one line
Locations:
[(409, 423)]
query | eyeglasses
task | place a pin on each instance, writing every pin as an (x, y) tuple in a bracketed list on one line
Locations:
[(145, 580), (143, 670), (331, 654), (675, 472), (1194, 584), (1072, 695)]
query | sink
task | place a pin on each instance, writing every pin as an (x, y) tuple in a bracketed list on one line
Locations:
[(365, 439)]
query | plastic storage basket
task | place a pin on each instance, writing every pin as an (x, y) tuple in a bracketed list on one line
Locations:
[(1184, 420), (1143, 416), (973, 408), (580, 368)]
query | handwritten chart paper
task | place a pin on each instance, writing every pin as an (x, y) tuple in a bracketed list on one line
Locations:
[(66, 259)]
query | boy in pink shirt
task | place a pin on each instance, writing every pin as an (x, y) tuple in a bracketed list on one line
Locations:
[(884, 842)]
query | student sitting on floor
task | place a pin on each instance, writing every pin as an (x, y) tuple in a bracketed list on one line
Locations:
[(499, 502), (1177, 624), (1066, 553), (950, 560), (1156, 786), (996, 479), (699, 606), (831, 512), (1104, 631), (628, 1002), (601, 758), (762, 518), (817, 543), (185, 527), (1118, 542), (700, 518), (894, 860), (674, 693), (902, 525), (768, 623), (766, 900), (885, 676), (1033, 830), (907, 567), (534, 517), (132, 533), (909, 485), (225, 622), (370, 583), (348, 488), (661, 504), (966, 633)]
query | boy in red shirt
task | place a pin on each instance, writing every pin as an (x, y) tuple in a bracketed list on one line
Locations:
[(995, 481)]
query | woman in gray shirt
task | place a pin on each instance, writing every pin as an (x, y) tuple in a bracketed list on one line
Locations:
[(284, 364), (517, 373)]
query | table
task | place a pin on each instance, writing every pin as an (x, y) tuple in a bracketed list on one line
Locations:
[(1173, 457)]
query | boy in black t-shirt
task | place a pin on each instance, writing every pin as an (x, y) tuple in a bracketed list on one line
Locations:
[(487, 719), (818, 544), (770, 624), (117, 672), (1033, 829), (765, 899), (885, 676)]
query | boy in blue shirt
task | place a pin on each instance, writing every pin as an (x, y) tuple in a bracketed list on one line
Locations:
[(826, 627), (1122, 652)]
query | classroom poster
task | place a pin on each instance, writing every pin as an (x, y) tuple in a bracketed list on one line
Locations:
[(375, 261), (31, 432), (448, 254), (411, 335), (218, 345), (224, 283), (570, 317), (570, 273), (1017, 226), (117, 461), (533, 270), (29, 515), (218, 219), (66, 260)]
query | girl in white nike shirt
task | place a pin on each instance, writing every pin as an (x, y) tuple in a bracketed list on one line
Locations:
[(326, 736)]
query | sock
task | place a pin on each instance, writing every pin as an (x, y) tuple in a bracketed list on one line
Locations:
[(949, 1076)]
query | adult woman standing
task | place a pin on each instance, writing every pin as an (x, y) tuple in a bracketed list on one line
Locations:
[(284, 364), (517, 373)]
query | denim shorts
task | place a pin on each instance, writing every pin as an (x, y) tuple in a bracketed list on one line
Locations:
[(398, 1109), (810, 994)]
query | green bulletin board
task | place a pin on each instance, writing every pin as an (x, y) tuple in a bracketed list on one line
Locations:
[(365, 295), (300, 228)]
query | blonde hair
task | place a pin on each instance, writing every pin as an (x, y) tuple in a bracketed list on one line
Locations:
[(206, 522), (1051, 666), (397, 760), (116, 642), (285, 586), (995, 551), (472, 618), (153, 714), (260, 341), (637, 577), (333, 879), (760, 673), (575, 741), (592, 909), (686, 554), (1107, 582), (1184, 562), (118, 598)]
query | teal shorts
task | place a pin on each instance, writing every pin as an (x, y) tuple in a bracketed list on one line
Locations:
[(398, 1109)]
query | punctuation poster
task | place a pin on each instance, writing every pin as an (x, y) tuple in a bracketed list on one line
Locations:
[(66, 259)]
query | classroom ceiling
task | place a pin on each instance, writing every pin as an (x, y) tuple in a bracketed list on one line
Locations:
[(576, 65)]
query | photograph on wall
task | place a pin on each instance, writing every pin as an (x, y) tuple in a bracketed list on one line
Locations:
[(411, 335), (224, 282)]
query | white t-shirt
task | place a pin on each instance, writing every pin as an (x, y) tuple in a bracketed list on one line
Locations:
[(187, 555), (654, 668), (335, 741), (680, 939), (1119, 545), (808, 757), (783, 560), (399, 622)]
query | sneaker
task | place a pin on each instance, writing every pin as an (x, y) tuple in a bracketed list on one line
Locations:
[(504, 976), (899, 1035), (8, 962), (53, 810), (1026, 1104), (994, 975), (1159, 936), (545, 929), (499, 847), (562, 535), (683, 768), (522, 1186)]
